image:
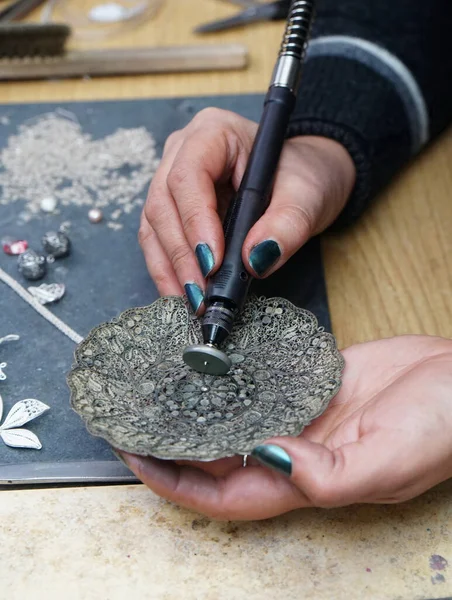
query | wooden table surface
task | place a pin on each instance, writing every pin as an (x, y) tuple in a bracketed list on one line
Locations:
[(388, 275)]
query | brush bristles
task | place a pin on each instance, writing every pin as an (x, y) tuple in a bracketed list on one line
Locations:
[(30, 40)]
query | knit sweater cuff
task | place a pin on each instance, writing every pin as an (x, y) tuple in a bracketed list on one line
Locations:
[(344, 100)]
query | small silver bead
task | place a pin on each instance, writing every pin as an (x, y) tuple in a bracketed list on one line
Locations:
[(48, 204)]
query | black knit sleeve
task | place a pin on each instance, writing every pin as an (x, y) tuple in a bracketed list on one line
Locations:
[(378, 79)]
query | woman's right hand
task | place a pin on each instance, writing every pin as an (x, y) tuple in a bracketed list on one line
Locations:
[(181, 231)]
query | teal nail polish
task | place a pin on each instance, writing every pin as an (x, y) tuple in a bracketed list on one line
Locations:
[(264, 255), (205, 258), (274, 457), (194, 295)]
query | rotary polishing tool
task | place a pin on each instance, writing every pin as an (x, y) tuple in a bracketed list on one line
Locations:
[(227, 289)]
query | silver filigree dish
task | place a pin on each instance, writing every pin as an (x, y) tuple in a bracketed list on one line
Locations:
[(132, 388)]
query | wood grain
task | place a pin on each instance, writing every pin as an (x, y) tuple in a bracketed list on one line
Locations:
[(172, 26), (128, 61), (391, 273)]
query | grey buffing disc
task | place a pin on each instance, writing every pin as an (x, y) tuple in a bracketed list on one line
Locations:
[(207, 359)]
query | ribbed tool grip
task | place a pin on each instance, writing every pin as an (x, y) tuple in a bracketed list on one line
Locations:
[(298, 29)]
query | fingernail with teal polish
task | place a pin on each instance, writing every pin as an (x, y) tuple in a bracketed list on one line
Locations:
[(273, 457), (263, 256), (205, 258), (194, 295)]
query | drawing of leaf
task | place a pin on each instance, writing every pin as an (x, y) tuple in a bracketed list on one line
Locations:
[(23, 412), (21, 438)]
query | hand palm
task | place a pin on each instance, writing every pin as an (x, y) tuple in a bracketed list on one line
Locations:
[(384, 438)]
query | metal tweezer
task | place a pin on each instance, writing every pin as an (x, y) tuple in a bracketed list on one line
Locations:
[(265, 11)]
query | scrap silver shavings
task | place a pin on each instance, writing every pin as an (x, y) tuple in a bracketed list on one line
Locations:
[(52, 157)]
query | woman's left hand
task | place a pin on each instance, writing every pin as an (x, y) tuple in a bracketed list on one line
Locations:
[(385, 438)]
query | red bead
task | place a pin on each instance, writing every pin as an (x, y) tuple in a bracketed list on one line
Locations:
[(14, 248)]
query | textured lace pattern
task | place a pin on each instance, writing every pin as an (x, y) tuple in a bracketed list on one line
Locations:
[(132, 388)]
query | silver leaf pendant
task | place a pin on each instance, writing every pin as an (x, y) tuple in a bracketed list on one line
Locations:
[(48, 293), (21, 438), (22, 412)]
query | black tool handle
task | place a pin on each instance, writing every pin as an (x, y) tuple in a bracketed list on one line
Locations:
[(230, 284), (232, 280)]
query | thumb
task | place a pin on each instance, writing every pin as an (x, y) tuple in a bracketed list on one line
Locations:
[(360, 471), (283, 230), (313, 182)]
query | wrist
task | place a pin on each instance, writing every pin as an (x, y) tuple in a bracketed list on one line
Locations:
[(336, 174)]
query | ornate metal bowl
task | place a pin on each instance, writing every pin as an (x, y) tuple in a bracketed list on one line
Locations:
[(132, 388)]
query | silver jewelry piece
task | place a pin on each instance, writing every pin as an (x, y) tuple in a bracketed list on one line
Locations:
[(56, 243), (3, 365), (42, 310), (131, 386), (245, 460), (9, 338), (22, 412), (32, 265), (48, 293)]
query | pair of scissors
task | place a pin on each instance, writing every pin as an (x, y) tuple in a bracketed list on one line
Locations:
[(19, 9), (255, 12)]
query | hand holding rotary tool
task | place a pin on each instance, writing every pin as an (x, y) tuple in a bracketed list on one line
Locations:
[(228, 288)]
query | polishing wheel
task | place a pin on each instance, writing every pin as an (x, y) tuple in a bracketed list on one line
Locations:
[(205, 358)]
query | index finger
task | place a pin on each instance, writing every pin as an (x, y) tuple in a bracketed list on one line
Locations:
[(212, 152)]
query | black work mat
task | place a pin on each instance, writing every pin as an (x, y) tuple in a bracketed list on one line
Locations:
[(104, 275)]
